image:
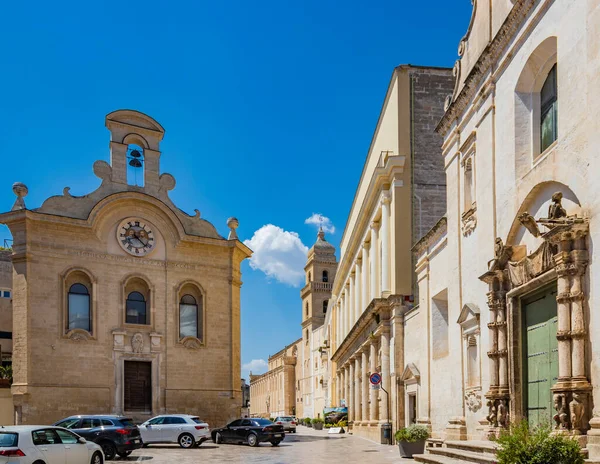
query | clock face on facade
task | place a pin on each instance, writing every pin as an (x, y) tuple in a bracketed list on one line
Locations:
[(135, 237)]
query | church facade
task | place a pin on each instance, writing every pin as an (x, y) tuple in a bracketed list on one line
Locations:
[(122, 303)]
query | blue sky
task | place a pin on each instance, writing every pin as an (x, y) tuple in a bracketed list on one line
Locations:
[(269, 109)]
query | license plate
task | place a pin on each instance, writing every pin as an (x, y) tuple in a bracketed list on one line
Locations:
[(277, 435)]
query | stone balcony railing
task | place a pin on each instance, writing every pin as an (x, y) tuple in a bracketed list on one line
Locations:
[(317, 287)]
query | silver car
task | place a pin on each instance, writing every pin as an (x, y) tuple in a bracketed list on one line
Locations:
[(184, 429), (28, 444), (288, 422)]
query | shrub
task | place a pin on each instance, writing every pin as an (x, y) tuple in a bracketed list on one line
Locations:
[(328, 426), (6, 372), (412, 433), (536, 446), (317, 420), (342, 423)]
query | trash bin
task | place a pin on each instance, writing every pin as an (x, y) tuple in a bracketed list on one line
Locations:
[(386, 434)]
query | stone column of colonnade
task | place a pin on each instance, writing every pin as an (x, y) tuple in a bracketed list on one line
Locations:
[(347, 386), (373, 367), (374, 259), (385, 245), (365, 384), (364, 273), (358, 307), (385, 375), (351, 303), (352, 387), (357, 388)]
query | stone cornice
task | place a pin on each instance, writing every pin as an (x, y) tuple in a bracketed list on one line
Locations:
[(490, 55), (437, 231)]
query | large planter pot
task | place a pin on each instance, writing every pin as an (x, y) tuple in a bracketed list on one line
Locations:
[(318, 426), (4, 383), (308, 424), (408, 449)]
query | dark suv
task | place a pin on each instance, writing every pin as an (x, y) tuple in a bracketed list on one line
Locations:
[(115, 434)]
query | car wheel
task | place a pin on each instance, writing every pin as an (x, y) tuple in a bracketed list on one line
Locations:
[(252, 439), (124, 454), (39, 462), (96, 458), (218, 438), (276, 442), (186, 440), (109, 449)]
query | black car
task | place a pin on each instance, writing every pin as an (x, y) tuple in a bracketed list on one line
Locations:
[(251, 431), (115, 434)]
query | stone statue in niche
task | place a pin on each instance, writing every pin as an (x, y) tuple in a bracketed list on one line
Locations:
[(137, 343), (576, 409), (561, 417), (491, 417), (502, 414), (556, 210)]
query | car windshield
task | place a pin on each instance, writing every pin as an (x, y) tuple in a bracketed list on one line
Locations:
[(286, 419), (68, 423), (261, 422), (127, 422), (8, 440), (197, 420)]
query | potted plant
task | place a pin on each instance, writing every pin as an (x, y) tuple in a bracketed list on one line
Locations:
[(6, 374), (317, 423), (411, 440), (538, 444), (308, 422)]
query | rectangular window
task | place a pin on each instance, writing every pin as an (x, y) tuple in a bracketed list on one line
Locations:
[(188, 320), (5, 293)]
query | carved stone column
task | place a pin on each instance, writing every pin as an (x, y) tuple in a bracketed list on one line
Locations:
[(572, 390), (365, 385)]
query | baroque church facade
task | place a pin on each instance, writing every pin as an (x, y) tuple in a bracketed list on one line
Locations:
[(121, 302)]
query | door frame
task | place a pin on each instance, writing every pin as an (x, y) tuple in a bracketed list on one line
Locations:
[(119, 394), (515, 299)]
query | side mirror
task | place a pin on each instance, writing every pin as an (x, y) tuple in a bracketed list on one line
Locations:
[(82, 440)]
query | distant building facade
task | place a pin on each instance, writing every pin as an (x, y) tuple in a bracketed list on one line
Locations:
[(121, 302)]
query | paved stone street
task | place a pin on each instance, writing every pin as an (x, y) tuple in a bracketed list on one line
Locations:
[(308, 446)]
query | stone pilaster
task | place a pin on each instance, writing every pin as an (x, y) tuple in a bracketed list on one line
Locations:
[(357, 389), (373, 407), (373, 252), (364, 273), (385, 374), (352, 391), (365, 384), (385, 245)]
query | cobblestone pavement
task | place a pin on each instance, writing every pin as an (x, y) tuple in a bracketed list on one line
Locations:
[(308, 446)]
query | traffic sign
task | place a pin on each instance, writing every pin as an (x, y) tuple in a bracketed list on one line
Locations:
[(375, 378)]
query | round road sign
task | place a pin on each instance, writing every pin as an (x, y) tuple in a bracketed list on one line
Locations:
[(375, 378)]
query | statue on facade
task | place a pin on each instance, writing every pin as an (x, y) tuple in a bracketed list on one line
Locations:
[(576, 409), (502, 414), (556, 210), (529, 223), (561, 417), (491, 417), (137, 343)]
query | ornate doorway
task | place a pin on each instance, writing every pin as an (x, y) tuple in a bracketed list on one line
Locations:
[(541, 356)]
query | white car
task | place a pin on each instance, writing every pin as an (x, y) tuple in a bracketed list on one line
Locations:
[(184, 429), (42, 444)]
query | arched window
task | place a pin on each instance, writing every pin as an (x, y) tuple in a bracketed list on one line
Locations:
[(306, 309), (135, 165), (80, 314), (325, 306), (190, 317), (325, 276), (309, 278), (549, 111), (136, 309)]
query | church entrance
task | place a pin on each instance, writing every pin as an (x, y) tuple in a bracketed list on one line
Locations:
[(541, 355), (138, 386)]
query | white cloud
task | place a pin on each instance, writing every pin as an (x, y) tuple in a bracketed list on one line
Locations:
[(279, 254), (256, 366), (317, 219)]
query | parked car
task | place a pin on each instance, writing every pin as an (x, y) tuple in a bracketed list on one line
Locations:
[(288, 422), (175, 428), (117, 435), (29, 444), (250, 431)]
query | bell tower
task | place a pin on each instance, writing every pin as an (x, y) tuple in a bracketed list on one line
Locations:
[(134, 149), (320, 270)]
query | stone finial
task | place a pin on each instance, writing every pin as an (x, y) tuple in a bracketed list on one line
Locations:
[(233, 224), (20, 190)]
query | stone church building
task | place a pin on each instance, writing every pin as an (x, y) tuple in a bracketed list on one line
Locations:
[(121, 302)]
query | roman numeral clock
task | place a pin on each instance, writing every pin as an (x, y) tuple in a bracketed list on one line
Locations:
[(135, 237)]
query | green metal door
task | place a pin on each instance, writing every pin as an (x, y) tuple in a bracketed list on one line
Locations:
[(541, 363)]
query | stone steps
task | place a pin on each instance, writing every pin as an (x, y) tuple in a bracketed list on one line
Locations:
[(459, 452)]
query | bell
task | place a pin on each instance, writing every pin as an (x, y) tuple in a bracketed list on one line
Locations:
[(136, 163), (135, 154)]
